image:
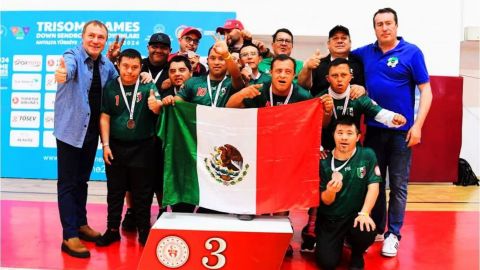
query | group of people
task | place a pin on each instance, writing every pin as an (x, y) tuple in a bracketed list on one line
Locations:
[(118, 96)]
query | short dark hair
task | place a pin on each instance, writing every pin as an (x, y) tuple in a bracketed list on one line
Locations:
[(346, 121), (386, 10), (249, 44), (338, 62), (130, 53), (180, 58), (283, 57), (338, 28), (210, 50), (282, 30), (94, 22)]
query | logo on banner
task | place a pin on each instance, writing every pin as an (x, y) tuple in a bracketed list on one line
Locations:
[(24, 119), (26, 81), (49, 141), (20, 32), (24, 138), (172, 251), (226, 165), (4, 66), (49, 101), (48, 118), (25, 100), (27, 63), (50, 83), (52, 62)]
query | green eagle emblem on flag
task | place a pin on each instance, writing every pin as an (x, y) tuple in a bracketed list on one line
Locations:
[(361, 172), (226, 165)]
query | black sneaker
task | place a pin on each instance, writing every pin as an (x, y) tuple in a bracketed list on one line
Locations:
[(357, 262), (143, 236), (107, 238), (245, 217), (289, 252), (128, 223), (308, 241)]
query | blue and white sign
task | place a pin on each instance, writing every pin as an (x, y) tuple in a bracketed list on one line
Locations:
[(31, 44)]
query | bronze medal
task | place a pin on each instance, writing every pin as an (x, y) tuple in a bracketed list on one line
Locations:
[(337, 176), (131, 124)]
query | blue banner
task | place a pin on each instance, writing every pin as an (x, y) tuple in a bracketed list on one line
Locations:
[(32, 43)]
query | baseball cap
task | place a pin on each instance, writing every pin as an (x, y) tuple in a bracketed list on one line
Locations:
[(229, 25), (338, 28), (160, 38), (190, 29)]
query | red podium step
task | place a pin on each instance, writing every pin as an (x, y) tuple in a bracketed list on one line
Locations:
[(208, 241)]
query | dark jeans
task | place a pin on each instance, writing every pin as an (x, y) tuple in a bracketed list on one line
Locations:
[(330, 236), (392, 154), (74, 169), (140, 181)]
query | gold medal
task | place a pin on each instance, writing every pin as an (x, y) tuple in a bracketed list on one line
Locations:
[(131, 124)]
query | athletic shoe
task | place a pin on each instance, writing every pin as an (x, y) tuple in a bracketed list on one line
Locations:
[(379, 237), (128, 223), (390, 246), (308, 241), (107, 238)]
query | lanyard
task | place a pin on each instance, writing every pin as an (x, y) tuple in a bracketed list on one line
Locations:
[(286, 100), (336, 96), (156, 77), (134, 97), (217, 94), (332, 163)]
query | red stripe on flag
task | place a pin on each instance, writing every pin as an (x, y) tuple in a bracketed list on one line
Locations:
[(288, 153)]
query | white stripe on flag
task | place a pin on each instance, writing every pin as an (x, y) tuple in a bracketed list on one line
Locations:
[(217, 127)]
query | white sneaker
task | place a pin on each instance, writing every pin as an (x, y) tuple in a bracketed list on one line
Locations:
[(390, 246), (379, 237)]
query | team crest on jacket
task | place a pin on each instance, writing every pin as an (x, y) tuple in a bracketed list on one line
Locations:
[(226, 165), (201, 91), (392, 61), (361, 172)]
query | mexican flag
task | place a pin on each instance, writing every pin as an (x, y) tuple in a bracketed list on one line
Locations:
[(243, 161)]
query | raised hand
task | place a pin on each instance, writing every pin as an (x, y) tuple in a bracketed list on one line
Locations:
[(251, 91), (153, 104), (357, 91), (61, 72), (314, 61), (246, 35), (115, 48), (221, 46), (327, 102)]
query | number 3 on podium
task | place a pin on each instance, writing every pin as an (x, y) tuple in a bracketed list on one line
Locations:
[(222, 245)]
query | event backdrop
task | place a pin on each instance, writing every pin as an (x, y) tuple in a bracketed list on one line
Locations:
[(31, 44)]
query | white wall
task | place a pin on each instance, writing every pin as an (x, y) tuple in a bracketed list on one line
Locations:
[(436, 27)]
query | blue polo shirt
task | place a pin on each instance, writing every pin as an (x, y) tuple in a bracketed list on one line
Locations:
[(72, 111), (391, 78)]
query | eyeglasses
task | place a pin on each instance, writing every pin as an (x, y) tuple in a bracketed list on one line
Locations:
[(246, 54), (189, 39), (282, 40)]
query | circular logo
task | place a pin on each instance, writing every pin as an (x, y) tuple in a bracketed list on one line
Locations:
[(172, 251)]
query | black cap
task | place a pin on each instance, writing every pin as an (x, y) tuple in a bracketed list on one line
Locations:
[(160, 38), (338, 28)]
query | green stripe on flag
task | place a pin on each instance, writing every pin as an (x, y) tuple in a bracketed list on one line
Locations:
[(179, 136)]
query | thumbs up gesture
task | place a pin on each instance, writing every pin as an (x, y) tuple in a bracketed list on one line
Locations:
[(61, 72), (153, 104), (314, 61)]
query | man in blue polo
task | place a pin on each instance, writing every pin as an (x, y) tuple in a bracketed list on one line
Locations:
[(393, 68)]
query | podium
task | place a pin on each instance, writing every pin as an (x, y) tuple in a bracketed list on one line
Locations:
[(210, 241)]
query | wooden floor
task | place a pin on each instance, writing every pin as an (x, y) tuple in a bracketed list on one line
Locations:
[(421, 197), (433, 210)]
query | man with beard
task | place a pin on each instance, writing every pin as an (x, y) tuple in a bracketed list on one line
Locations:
[(188, 42)]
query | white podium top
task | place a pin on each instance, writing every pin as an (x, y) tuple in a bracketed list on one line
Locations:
[(221, 222)]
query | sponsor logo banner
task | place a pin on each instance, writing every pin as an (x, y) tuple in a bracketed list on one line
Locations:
[(21, 100), (26, 81), (24, 119), (27, 62), (24, 138)]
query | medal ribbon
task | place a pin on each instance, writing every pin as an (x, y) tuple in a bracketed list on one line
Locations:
[(286, 100), (345, 95), (332, 163), (217, 94), (134, 97)]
